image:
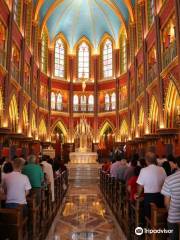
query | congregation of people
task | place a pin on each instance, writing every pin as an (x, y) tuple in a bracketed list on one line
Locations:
[(22, 176), (155, 180)]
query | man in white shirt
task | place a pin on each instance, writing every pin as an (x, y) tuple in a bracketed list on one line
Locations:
[(151, 179), (47, 168), (16, 186)]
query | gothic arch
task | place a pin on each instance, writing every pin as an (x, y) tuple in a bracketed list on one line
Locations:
[(153, 115), (123, 132), (104, 126), (61, 125)]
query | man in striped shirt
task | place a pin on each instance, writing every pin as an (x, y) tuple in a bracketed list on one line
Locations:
[(171, 192)]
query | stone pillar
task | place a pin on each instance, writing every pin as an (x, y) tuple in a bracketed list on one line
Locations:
[(177, 13), (71, 75), (145, 70), (159, 69), (8, 67), (38, 100), (117, 58), (49, 109), (96, 78)]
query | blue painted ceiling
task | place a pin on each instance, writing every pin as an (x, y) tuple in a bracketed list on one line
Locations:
[(78, 18)]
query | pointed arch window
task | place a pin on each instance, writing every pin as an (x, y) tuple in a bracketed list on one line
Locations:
[(83, 103), (107, 102), (44, 52), (107, 59), (83, 61), (91, 103), (150, 10), (59, 102), (75, 103), (113, 101), (17, 11), (53, 101), (59, 58)]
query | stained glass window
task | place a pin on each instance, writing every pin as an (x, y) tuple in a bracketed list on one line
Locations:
[(53, 101), (17, 11), (107, 102), (113, 101), (59, 59), (83, 61), (59, 102), (107, 59), (91, 103), (75, 103)]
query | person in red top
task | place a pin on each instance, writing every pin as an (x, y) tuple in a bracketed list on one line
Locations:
[(132, 185), (106, 166)]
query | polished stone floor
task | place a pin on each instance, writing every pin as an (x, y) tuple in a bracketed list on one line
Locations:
[(84, 216)]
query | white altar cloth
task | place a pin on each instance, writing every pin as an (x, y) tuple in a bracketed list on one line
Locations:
[(83, 157)]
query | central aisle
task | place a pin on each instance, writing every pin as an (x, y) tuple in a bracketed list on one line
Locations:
[(84, 216)]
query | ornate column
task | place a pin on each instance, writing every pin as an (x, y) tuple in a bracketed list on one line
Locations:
[(38, 100), (22, 65), (96, 78), (159, 66), (177, 13), (32, 62), (145, 73), (8, 67), (117, 64), (71, 76)]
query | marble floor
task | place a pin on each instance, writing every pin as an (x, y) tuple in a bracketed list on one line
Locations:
[(84, 216)]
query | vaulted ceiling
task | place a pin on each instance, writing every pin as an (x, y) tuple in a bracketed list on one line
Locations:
[(89, 18)]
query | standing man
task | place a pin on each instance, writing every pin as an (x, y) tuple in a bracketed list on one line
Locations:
[(16, 186), (171, 192), (150, 180), (35, 175)]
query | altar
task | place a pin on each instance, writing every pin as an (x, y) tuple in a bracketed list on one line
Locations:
[(83, 144), (83, 157)]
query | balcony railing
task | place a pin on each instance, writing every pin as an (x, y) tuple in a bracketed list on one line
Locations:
[(152, 73), (15, 72), (108, 107), (123, 104), (60, 108), (88, 108), (2, 58), (169, 54)]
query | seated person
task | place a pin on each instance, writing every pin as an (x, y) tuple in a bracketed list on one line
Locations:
[(16, 186), (36, 176), (132, 185), (106, 166), (122, 169), (115, 167)]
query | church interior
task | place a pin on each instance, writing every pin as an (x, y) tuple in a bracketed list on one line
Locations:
[(86, 85)]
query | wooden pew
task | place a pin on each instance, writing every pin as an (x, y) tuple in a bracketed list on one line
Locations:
[(158, 220), (13, 226), (136, 217), (33, 217)]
